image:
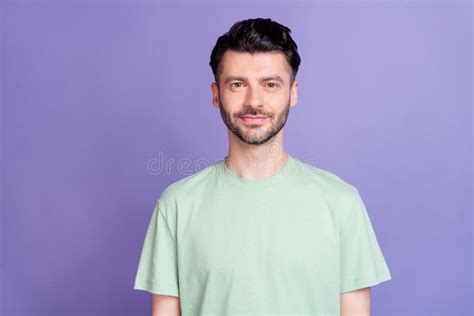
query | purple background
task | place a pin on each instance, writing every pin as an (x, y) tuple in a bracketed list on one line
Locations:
[(97, 94)]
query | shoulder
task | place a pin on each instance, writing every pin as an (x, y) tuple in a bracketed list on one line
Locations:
[(338, 193), (327, 181), (186, 187)]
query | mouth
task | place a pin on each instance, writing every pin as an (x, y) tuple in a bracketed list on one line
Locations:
[(253, 119)]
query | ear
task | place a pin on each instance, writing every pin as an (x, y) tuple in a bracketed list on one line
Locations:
[(294, 93), (215, 95)]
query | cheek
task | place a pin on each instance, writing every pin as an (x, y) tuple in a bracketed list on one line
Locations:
[(277, 101), (232, 102), (232, 97)]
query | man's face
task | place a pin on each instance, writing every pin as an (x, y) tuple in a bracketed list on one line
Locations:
[(254, 95)]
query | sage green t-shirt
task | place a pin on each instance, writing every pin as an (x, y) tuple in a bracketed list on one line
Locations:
[(288, 244)]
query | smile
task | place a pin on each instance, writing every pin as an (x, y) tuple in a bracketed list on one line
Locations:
[(253, 119)]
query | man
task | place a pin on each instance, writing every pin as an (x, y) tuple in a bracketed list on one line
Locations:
[(259, 232)]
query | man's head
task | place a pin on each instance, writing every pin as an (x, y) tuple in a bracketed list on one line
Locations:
[(255, 65)]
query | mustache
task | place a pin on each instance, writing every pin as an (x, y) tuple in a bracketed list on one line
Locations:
[(253, 112)]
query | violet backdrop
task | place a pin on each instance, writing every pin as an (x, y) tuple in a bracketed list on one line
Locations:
[(97, 95)]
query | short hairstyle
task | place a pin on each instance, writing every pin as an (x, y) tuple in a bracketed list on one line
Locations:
[(253, 36)]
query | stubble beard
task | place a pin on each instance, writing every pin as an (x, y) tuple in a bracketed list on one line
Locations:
[(255, 136)]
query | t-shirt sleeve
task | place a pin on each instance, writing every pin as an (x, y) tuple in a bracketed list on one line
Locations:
[(158, 266), (361, 260)]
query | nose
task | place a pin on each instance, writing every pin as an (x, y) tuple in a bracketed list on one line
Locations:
[(254, 97)]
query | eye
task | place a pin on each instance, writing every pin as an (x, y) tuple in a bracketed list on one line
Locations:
[(272, 84), (235, 83)]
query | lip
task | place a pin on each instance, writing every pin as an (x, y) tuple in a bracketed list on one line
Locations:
[(253, 119)]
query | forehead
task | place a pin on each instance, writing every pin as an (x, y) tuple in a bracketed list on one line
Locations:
[(257, 64)]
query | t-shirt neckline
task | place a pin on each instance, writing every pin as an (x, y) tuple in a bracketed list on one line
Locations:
[(229, 176)]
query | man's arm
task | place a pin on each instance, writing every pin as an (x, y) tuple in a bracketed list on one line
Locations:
[(356, 303), (165, 305)]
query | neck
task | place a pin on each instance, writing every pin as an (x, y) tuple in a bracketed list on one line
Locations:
[(256, 162)]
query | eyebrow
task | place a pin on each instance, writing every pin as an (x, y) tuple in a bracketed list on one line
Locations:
[(262, 79)]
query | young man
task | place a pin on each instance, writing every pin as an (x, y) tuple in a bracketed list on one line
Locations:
[(259, 232)]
